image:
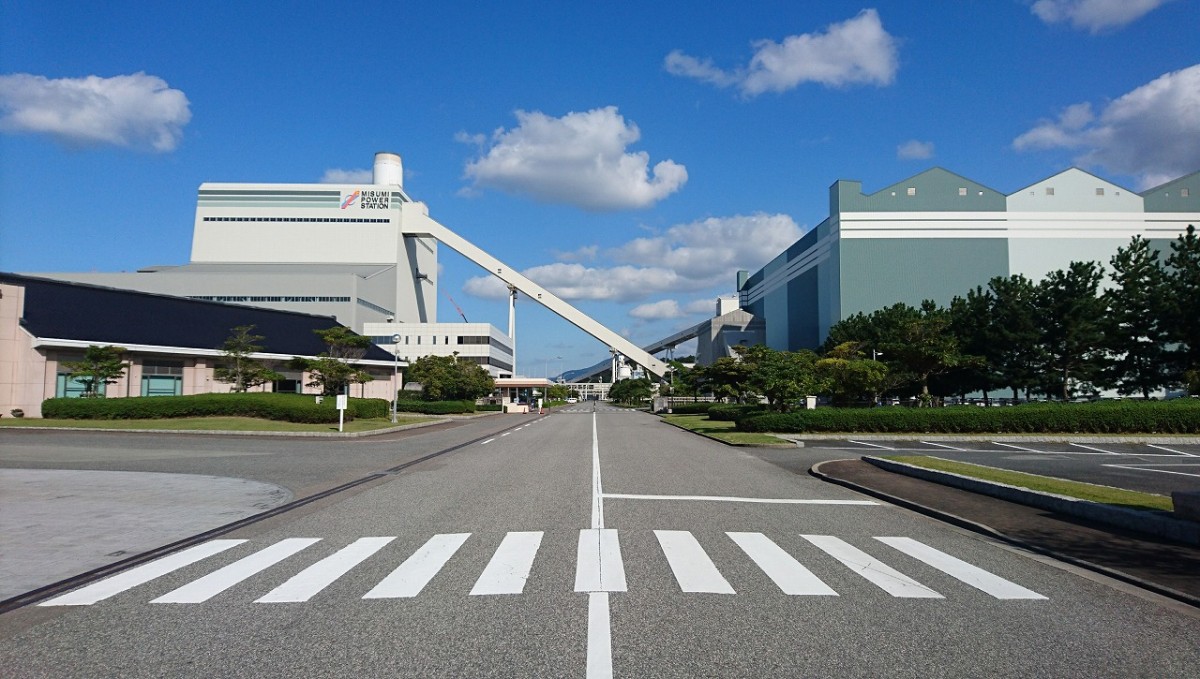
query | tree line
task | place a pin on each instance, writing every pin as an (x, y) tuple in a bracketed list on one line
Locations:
[(1063, 337)]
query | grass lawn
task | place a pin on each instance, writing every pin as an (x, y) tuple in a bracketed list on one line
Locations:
[(1130, 499), (213, 424), (722, 431)]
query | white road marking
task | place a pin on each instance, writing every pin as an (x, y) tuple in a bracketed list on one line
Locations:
[(599, 575), (693, 570), (309, 582), (509, 568), (598, 566), (783, 569), (1028, 450), (762, 500), (960, 570), (599, 645), (1172, 450), (873, 445), (1047, 452), (120, 582), (1152, 469), (222, 579), (1098, 450), (410, 577), (942, 445), (886, 578), (484, 443)]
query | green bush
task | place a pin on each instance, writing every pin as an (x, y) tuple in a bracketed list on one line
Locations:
[(489, 408), (691, 408), (436, 407), (285, 407), (1181, 416), (732, 412)]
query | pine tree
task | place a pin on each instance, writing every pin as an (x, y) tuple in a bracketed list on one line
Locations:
[(1069, 313), (1133, 325), (1182, 311)]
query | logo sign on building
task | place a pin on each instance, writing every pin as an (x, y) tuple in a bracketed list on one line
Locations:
[(366, 199)]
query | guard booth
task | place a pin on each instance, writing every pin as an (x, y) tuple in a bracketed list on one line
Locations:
[(516, 394)]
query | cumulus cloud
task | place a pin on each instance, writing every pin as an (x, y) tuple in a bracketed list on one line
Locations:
[(853, 52), (340, 176), (1152, 132), (654, 311), (579, 159), (1094, 16), (583, 254), (915, 150), (137, 111), (701, 306), (687, 258)]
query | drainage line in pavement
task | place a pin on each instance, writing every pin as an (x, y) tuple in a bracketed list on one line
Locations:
[(88, 577)]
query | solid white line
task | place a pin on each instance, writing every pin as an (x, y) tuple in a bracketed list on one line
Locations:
[(873, 445), (1028, 450), (509, 568), (762, 500), (222, 579), (1147, 469), (886, 578), (598, 566), (410, 577), (693, 570), (1172, 450), (1098, 450), (961, 570), (599, 647), (597, 486), (484, 443), (783, 569), (1046, 452), (942, 445), (140, 575), (310, 581)]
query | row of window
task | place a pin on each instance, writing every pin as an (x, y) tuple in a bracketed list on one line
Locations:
[(262, 298), (339, 220), (433, 339)]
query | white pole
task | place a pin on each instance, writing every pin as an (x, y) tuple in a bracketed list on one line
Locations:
[(395, 369), (512, 325)]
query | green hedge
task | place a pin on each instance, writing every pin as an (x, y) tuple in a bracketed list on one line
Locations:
[(691, 408), (489, 408), (436, 407), (1181, 416), (732, 412), (286, 407)]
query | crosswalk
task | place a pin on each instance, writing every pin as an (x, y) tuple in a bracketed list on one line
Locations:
[(600, 567)]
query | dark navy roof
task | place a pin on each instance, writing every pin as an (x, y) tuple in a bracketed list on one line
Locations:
[(100, 315)]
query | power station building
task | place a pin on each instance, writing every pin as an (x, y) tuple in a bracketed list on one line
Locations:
[(937, 235)]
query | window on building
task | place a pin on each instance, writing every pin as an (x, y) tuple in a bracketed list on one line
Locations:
[(912, 190), (1049, 190), (1185, 192), (1100, 191), (962, 190), (162, 377), (71, 387)]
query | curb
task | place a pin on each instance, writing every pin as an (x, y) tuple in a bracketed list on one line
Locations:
[(984, 529), (234, 432), (1186, 439), (1157, 524)]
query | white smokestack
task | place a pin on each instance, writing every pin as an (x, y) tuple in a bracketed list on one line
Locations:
[(388, 169)]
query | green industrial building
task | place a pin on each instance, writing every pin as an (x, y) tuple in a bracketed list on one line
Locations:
[(937, 235)]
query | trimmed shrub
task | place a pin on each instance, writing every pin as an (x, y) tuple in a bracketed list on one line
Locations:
[(489, 408), (691, 408), (285, 407), (732, 412), (1181, 416), (436, 407)]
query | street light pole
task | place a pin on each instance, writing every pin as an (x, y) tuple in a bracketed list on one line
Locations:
[(875, 356), (395, 371)]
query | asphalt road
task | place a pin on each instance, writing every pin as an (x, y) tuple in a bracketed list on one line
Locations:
[(589, 544), (1152, 468)]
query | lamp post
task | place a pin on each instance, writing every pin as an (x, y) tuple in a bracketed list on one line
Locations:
[(395, 371), (874, 357)]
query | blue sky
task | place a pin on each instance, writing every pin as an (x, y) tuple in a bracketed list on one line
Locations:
[(630, 156)]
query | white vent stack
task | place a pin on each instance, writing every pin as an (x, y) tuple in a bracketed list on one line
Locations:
[(388, 169)]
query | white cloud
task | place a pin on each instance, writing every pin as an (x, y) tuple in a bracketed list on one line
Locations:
[(1094, 16), (579, 159), (1152, 132), (138, 111), (687, 258), (340, 176), (915, 150), (583, 254), (667, 308), (855, 51), (701, 306)]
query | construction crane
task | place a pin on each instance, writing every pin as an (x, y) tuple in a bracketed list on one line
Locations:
[(456, 307)]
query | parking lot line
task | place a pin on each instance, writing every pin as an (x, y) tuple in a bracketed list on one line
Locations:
[(1171, 450), (1140, 468), (942, 445), (873, 445), (1099, 450)]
